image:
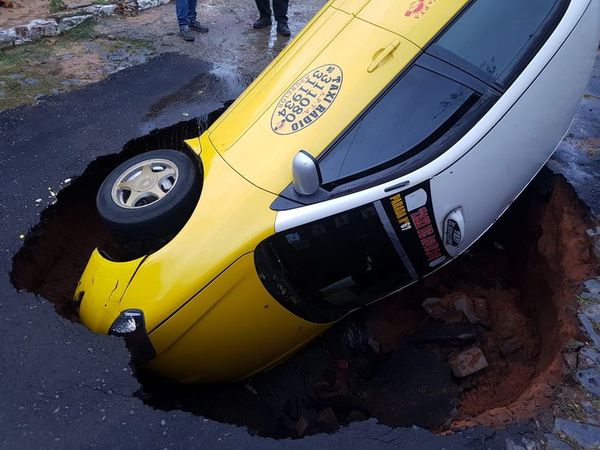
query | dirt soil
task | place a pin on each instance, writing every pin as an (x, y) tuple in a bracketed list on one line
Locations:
[(20, 12), (99, 48), (524, 381), (391, 360), (55, 65)]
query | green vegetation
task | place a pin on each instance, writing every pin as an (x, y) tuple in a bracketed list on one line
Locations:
[(24, 73), (583, 300), (83, 31), (56, 5), (127, 42), (573, 411), (33, 69)]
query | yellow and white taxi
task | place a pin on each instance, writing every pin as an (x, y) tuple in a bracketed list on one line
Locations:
[(379, 145)]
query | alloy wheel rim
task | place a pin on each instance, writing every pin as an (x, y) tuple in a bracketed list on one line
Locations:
[(145, 183)]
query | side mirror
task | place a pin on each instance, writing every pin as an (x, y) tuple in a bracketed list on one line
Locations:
[(306, 173)]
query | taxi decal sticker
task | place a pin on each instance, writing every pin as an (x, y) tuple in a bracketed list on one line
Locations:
[(400, 212), (307, 100), (418, 8), (427, 236), (412, 217)]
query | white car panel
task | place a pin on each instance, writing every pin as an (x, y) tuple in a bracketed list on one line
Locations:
[(488, 179), (584, 37)]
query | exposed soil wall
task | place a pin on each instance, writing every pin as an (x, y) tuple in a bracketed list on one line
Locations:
[(393, 360)]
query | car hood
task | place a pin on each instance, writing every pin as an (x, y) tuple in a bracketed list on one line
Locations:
[(232, 216), (331, 72)]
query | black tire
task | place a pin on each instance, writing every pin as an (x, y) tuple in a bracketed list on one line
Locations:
[(152, 217)]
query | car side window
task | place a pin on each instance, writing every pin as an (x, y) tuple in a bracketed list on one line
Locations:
[(419, 107), (492, 34), (324, 269)]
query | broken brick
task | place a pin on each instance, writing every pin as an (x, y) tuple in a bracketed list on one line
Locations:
[(328, 417), (442, 309), (301, 426), (468, 362), (466, 306)]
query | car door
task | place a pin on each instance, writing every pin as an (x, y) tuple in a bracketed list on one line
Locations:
[(324, 268), (306, 103)]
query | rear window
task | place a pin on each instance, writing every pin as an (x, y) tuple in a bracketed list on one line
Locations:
[(492, 34), (417, 109)]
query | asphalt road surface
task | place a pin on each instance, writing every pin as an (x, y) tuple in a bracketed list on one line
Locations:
[(62, 386)]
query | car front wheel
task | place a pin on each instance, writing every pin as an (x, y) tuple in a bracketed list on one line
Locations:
[(150, 196)]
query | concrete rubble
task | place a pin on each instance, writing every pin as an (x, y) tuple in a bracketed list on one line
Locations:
[(36, 29), (132, 7), (71, 22), (554, 443), (463, 316), (452, 309), (67, 20), (590, 380), (583, 360), (585, 436)]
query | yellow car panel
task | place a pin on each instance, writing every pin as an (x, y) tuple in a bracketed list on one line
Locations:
[(230, 330), (350, 6), (101, 287), (226, 224), (194, 145), (267, 88), (359, 72), (417, 20)]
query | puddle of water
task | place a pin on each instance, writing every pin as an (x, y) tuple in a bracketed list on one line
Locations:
[(208, 88), (389, 361)]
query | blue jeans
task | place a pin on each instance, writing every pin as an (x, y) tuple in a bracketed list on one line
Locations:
[(186, 11)]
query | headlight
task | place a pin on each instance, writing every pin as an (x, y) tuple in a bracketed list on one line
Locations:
[(130, 325)]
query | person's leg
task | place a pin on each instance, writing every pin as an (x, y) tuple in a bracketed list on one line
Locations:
[(280, 8), (264, 9), (265, 14), (182, 9), (182, 6), (194, 24), (192, 10)]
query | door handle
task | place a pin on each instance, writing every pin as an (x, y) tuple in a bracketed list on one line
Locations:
[(454, 230), (382, 54)]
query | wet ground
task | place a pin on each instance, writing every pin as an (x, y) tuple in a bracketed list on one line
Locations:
[(60, 64), (62, 386), (99, 48)]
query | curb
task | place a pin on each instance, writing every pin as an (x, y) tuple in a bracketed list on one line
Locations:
[(47, 27)]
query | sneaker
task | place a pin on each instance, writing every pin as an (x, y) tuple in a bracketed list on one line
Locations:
[(197, 26), (186, 34), (283, 29), (263, 22)]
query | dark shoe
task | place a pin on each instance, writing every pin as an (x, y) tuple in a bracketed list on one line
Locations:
[(197, 26), (186, 34), (283, 29), (263, 22)]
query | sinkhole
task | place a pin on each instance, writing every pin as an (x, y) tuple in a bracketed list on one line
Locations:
[(510, 298)]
